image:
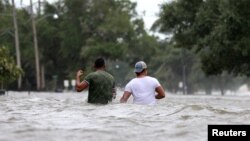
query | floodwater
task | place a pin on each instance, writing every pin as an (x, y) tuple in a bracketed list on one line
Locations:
[(68, 117)]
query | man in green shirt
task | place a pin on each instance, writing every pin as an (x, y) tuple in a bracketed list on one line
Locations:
[(101, 84)]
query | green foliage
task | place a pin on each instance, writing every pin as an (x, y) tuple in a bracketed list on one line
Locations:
[(108, 50), (6, 28), (224, 44), (177, 18), (8, 69), (83, 31), (169, 65), (219, 30), (87, 29)]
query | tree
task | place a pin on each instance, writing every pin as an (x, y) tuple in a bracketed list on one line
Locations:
[(218, 32), (177, 18), (174, 65), (223, 35), (8, 69), (88, 29)]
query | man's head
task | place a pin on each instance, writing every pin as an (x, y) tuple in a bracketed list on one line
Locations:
[(99, 63), (140, 67)]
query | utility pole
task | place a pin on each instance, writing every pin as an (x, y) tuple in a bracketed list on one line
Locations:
[(184, 88), (39, 7), (37, 59), (18, 58)]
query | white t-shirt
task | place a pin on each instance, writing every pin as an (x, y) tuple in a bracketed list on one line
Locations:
[(143, 90)]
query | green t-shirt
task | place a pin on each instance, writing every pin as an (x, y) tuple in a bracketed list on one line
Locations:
[(101, 87)]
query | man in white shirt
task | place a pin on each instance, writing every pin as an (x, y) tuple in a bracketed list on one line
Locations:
[(145, 89)]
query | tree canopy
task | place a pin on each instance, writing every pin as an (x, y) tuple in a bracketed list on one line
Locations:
[(86, 29), (8, 69), (218, 31)]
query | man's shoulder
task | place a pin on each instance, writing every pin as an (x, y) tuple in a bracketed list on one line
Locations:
[(150, 77), (132, 81), (107, 75), (91, 74)]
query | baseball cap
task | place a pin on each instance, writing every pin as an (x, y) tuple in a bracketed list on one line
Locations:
[(140, 66)]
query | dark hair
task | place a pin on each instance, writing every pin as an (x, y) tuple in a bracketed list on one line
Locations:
[(99, 63), (139, 73)]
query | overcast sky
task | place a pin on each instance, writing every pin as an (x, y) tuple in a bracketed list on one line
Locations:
[(149, 10)]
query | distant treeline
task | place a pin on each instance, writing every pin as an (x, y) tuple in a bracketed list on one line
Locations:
[(208, 49)]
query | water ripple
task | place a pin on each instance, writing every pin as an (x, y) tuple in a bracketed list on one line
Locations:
[(67, 116)]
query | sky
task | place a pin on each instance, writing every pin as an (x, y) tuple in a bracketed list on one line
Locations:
[(147, 9)]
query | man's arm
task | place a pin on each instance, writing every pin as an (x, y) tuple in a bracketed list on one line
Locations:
[(125, 97), (160, 92), (80, 86)]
